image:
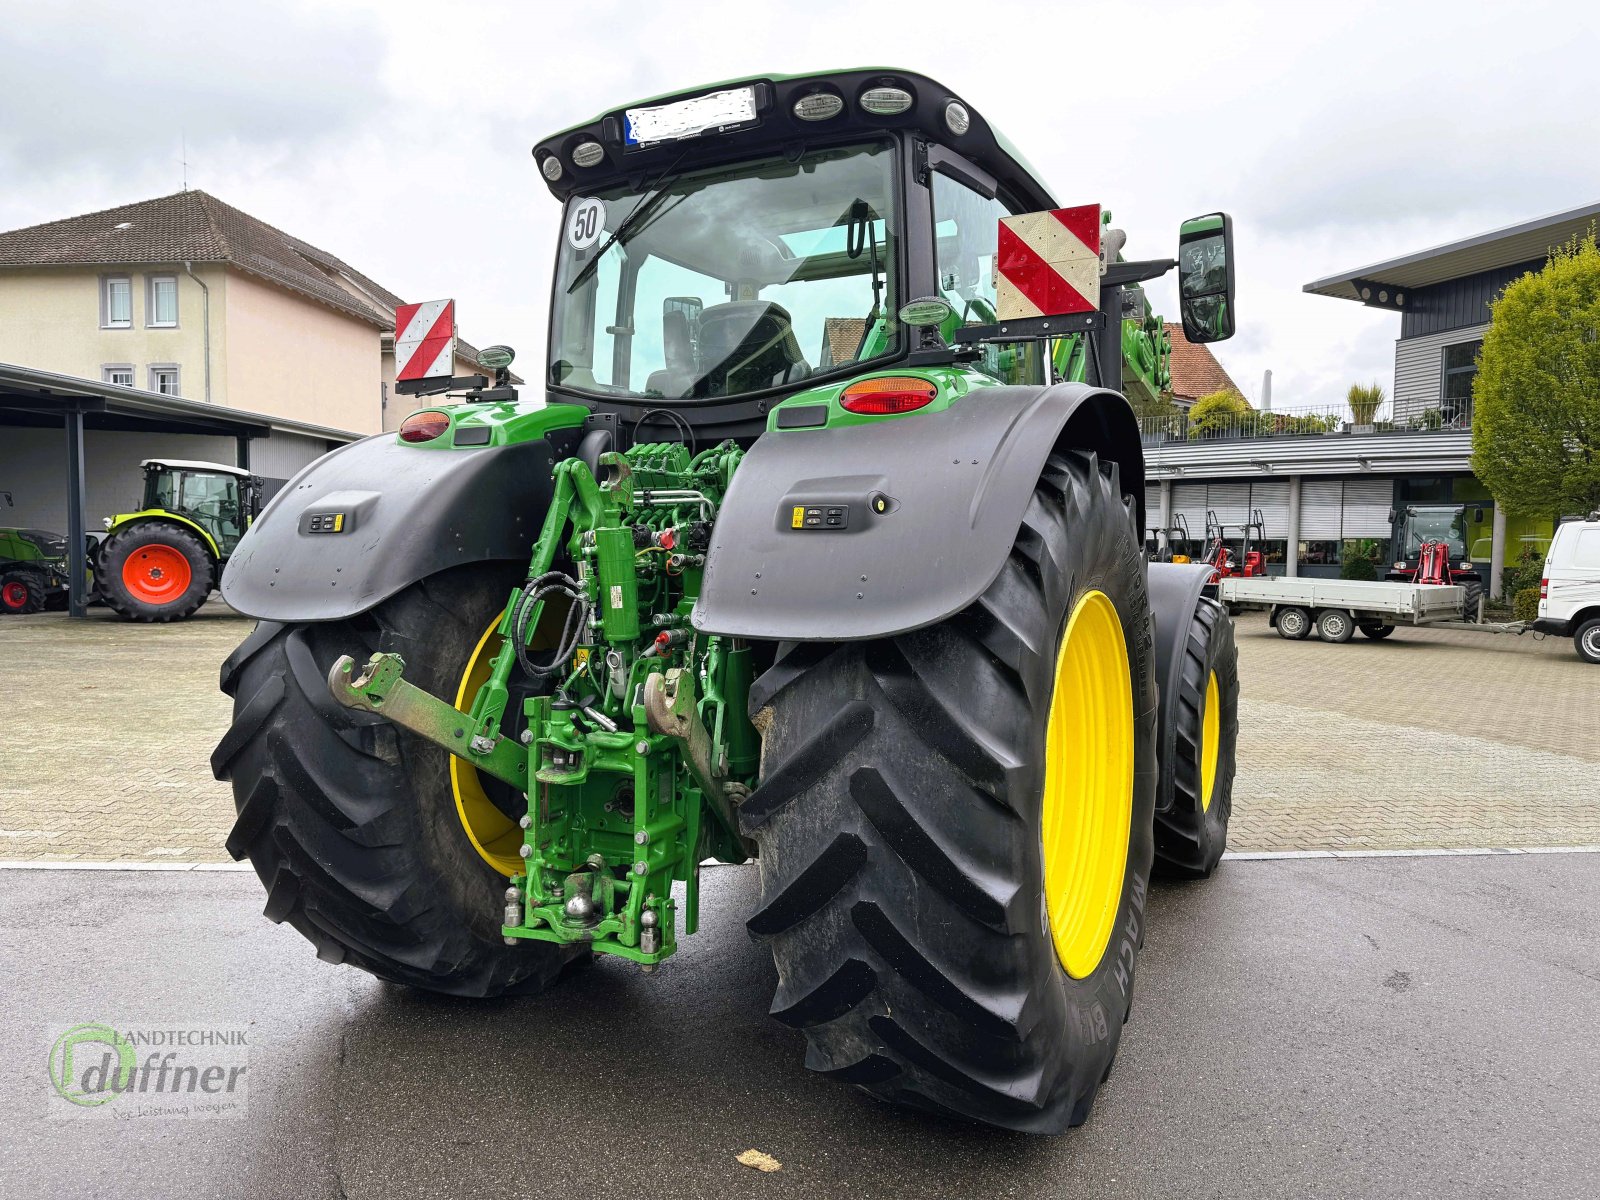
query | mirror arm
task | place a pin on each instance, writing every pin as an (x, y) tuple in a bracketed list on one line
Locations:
[(1140, 271)]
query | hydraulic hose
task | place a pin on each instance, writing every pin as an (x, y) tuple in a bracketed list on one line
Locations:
[(551, 583)]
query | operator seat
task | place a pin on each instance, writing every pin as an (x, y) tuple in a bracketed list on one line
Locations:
[(677, 349), (746, 346)]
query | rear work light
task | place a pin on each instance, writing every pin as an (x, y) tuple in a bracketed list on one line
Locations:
[(424, 426), (887, 395)]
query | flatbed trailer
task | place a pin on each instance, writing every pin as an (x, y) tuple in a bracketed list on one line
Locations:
[(1337, 608)]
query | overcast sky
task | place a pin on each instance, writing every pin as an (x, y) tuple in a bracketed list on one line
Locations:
[(396, 135)]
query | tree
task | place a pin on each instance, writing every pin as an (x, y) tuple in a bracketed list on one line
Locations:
[(1536, 425), (1217, 412)]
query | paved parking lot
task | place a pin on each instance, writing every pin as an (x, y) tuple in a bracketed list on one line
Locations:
[(1429, 739), (1356, 1028)]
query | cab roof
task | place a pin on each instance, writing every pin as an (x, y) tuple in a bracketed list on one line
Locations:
[(776, 126), (191, 464)]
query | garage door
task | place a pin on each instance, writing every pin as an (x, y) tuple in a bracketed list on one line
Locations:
[(1366, 507), (1271, 498), (1230, 501), (1189, 502), (1321, 510)]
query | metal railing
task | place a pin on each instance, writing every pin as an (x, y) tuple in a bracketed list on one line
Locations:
[(1335, 422)]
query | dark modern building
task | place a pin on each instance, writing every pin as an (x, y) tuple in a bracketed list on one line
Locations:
[(1322, 483)]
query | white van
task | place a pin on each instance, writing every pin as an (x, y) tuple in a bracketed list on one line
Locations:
[(1569, 596)]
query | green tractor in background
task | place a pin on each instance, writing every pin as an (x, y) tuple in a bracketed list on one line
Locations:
[(33, 568), (160, 563), (803, 554)]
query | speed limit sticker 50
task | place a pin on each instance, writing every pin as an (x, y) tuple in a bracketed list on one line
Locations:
[(586, 223)]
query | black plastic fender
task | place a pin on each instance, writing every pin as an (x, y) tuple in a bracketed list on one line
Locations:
[(373, 517), (900, 523), (1175, 591)]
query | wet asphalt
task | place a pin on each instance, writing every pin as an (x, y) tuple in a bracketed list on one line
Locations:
[(1359, 1027)]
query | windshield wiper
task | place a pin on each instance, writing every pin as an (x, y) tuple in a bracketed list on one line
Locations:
[(647, 203)]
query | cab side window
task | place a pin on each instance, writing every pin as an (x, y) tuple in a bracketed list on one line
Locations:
[(966, 239)]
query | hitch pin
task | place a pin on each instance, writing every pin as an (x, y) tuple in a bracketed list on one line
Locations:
[(600, 719)]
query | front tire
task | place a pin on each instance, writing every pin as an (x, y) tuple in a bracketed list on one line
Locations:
[(921, 803), (350, 822), (21, 592), (154, 571), (1335, 625), (1292, 623), (1377, 631)]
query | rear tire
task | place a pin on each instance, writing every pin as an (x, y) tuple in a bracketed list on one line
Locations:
[(1191, 827), (136, 572), (1377, 632), (350, 821), (1292, 623), (1335, 625), (1586, 640), (21, 592), (900, 820)]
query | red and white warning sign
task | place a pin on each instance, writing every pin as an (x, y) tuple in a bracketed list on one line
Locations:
[(425, 340), (1048, 263)]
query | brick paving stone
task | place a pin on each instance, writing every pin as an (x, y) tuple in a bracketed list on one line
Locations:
[(1430, 739)]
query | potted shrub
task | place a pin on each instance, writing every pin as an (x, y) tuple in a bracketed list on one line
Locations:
[(1365, 399)]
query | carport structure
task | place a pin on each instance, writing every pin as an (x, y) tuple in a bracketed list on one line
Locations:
[(35, 399)]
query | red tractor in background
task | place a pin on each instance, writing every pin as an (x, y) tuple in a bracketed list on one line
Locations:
[(1248, 563)]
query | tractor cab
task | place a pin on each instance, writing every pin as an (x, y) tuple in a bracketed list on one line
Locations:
[(221, 500), (723, 250), (1432, 544)]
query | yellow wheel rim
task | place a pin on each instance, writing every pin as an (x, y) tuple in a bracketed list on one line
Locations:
[(495, 836), (1088, 784), (1210, 735)]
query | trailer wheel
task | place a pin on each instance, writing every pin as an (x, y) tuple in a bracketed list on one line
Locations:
[(151, 570), (1293, 623), (1376, 630), (1196, 789), (357, 828), (21, 591), (1587, 640), (1335, 625), (955, 827)]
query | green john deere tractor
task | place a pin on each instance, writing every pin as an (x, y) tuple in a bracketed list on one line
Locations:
[(807, 552), (160, 563)]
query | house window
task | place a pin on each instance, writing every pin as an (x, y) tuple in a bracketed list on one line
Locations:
[(161, 301), (116, 302), (164, 378), (120, 374), (1460, 365)]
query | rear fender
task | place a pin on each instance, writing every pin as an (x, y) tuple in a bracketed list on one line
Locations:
[(929, 506), (371, 518), (166, 517), (1175, 591)]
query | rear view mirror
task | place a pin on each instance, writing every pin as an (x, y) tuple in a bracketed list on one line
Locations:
[(1205, 277)]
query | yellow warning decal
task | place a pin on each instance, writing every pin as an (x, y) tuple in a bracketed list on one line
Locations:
[(338, 522), (797, 519)]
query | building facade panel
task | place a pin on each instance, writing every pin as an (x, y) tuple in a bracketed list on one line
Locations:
[(1458, 303), (57, 319), (1419, 369), (300, 360)]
